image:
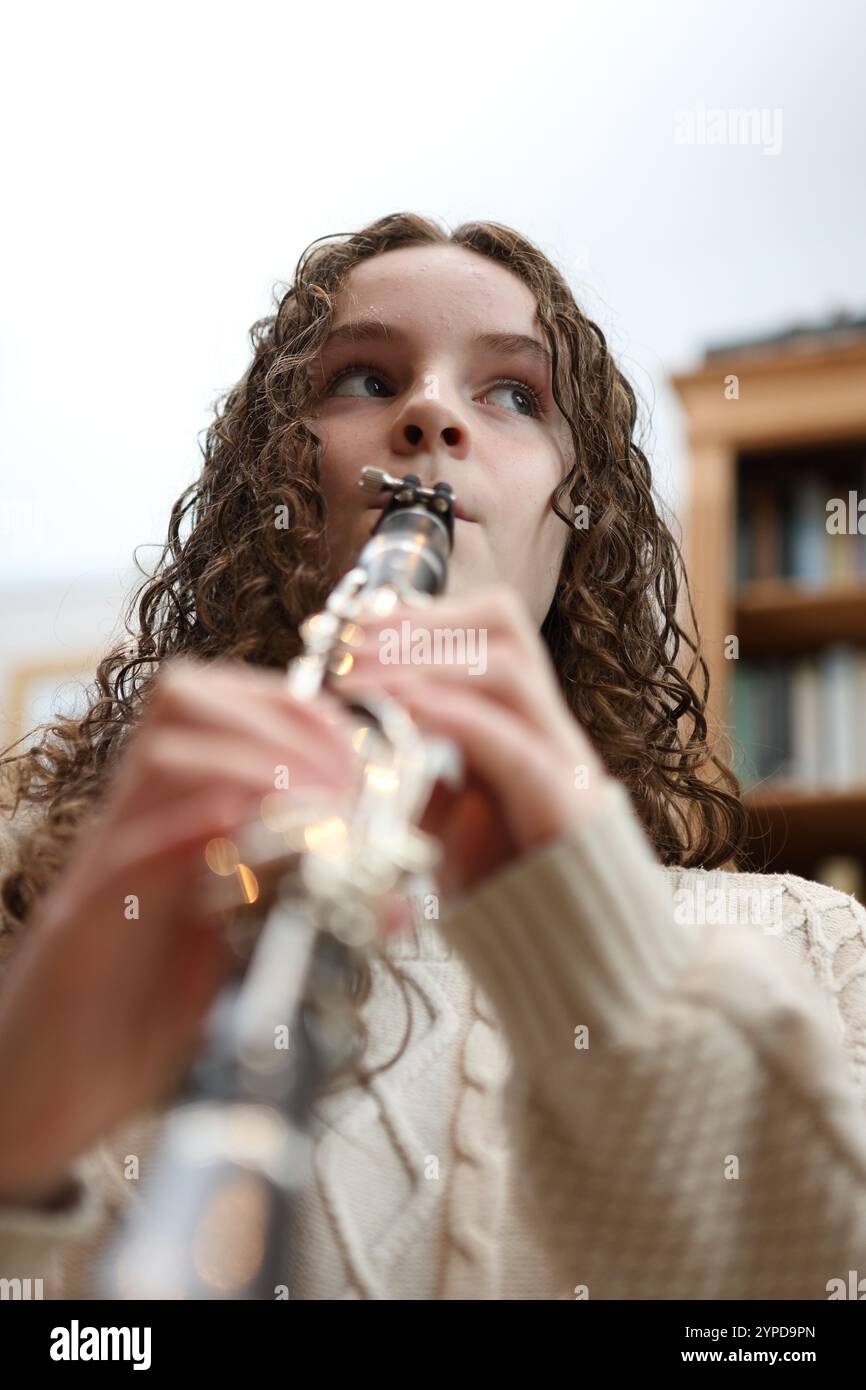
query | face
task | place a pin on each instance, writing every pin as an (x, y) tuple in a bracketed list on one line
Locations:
[(414, 389)]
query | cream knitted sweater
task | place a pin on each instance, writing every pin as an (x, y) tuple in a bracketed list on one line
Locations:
[(618, 1085)]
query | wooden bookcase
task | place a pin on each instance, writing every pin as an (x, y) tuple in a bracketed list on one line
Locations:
[(804, 390)]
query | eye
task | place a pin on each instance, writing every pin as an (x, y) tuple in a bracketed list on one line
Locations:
[(369, 379), (518, 389)]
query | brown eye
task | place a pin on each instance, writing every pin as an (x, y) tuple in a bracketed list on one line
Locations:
[(521, 391), (369, 379)]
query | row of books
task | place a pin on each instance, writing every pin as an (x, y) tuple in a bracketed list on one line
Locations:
[(805, 529), (802, 718)]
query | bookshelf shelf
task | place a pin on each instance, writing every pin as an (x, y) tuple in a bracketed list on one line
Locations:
[(796, 823), (775, 431), (779, 616)]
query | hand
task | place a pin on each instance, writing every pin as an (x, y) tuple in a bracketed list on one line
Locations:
[(100, 1011), (532, 772)]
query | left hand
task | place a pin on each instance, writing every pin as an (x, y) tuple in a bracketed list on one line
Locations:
[(531, 772)]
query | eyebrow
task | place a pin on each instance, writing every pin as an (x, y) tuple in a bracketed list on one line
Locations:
[(371, 330)]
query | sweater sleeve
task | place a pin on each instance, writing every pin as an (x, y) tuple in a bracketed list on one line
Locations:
[(61, 1241), (34, 1235), (683, 1116)]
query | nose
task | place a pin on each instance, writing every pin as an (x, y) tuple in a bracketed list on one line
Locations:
[(430, 424)]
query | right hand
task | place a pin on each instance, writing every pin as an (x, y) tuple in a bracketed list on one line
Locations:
[(100, 1014)]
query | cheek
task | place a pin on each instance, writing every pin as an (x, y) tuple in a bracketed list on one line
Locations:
[(527, 503), (533, 536), (337, 459), (346, 448)]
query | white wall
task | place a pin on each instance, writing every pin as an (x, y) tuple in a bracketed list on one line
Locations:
[(52, 634)]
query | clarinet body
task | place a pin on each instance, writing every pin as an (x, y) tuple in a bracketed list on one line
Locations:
[(216, 1216)]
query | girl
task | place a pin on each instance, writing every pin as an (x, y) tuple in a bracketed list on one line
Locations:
[(569, 1084)]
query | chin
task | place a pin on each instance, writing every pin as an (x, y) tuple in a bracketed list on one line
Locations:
[(464, 579)]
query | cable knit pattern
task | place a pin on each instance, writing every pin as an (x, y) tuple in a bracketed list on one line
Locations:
[(477, 1185), (608, 1092)]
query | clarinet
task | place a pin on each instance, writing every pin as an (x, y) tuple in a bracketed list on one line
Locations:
[(217, 1216)]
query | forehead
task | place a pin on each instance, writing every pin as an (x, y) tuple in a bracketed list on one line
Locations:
[(437, 283)]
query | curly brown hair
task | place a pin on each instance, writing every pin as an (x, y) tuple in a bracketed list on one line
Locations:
[(229, 584)]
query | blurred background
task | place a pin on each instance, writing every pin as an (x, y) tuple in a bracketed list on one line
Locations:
[(696, 172)]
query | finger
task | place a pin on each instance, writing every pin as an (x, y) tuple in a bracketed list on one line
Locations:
[(537, 794), (227, 698), (232, 695), (497, 607), (158, 846), (516, 681), (174, 764)]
